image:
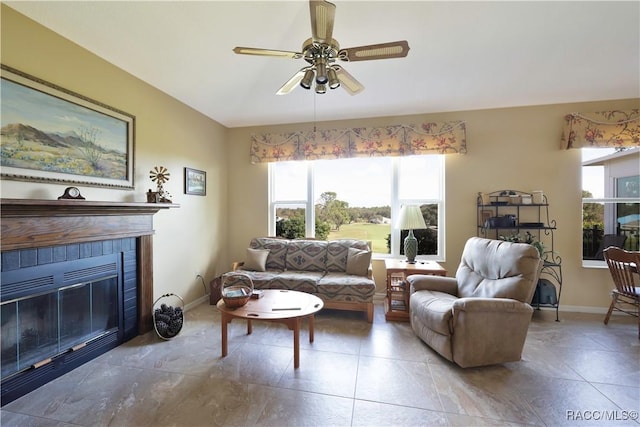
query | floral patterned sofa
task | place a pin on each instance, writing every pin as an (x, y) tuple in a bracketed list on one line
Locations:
[(337, 271)]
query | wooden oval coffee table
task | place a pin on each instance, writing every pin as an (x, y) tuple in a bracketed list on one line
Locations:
[(281, 306)]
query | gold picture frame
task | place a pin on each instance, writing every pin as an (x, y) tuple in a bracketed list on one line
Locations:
[(53, 135)]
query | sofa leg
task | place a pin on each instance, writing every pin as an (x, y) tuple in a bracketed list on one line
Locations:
[(370, 312)]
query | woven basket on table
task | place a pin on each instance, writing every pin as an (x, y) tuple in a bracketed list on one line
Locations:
[(236, 289)]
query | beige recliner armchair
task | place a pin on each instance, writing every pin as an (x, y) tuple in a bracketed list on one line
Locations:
[(481, 316)]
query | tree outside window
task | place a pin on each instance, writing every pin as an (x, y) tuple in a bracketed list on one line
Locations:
[(359, 199)]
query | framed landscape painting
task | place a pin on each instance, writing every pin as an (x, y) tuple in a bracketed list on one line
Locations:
[(50, 134), (195, 182)]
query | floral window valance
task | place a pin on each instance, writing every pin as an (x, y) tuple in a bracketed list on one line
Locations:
[(602, 129), (396, 140)]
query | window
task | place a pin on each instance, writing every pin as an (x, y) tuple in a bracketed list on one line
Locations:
[(610, 201), (359, 198)]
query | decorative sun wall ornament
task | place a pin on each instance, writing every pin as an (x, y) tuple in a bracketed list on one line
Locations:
[(159, 175)]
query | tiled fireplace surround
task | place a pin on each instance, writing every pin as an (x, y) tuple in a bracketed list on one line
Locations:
[(45, 232)]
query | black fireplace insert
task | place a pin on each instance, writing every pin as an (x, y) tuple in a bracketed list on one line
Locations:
[(56, 316)]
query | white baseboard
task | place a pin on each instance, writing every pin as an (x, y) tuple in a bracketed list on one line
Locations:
[(592, 310), (379, 297), (579, 309), (196, 303)]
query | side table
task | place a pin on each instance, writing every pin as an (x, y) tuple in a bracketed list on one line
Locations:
[(396, 303)]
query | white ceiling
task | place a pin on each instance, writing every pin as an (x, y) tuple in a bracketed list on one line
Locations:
[(464, 55)]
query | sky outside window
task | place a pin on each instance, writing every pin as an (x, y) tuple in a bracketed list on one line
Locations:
[(593, 176), (290, 181), (419, 177), (362, 182)]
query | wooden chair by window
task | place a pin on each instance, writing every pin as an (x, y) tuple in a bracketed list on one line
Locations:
[(624, 268), (610, 240)]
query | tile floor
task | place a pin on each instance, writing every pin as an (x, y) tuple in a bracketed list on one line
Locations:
[(574, 372)]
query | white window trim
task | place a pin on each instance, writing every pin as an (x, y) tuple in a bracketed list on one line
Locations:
[(395, 204), (594, 263)]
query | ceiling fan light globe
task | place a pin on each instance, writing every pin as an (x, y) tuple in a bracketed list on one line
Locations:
[(334, 82), (321, 71), (321, 88), (307, 79)]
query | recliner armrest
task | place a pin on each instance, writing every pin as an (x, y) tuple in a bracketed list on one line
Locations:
[(498, 305), (486, 331), (421, 282)]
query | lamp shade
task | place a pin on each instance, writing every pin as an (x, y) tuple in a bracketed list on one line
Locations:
[(411, 218)]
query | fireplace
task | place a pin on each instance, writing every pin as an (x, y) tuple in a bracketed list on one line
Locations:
[(70, 294)]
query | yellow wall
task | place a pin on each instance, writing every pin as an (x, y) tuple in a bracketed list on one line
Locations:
[(515, 148), (511, 148), (188, 239)]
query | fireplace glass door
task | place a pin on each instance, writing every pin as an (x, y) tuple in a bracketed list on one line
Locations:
[(39, 327)]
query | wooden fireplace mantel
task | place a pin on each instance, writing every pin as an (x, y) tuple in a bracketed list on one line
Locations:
[(32, 223)]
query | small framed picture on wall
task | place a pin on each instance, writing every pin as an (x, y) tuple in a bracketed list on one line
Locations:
[(195, 182)]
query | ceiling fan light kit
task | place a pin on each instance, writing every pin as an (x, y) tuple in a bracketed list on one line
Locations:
[(321, 51), (321, 71), (334, 82), (307, 80)]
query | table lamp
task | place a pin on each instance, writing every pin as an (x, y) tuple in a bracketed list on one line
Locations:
[(410, 219)]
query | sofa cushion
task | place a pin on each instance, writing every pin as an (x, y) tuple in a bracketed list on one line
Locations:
[(358, 262), (303, 281), (256, 259), (338, 252), (345, 287), (277, 251), (261, 279), (434, 310), (306, 255)]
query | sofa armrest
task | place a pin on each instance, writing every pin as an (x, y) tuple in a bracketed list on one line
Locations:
[(236, 265), (420, 282)]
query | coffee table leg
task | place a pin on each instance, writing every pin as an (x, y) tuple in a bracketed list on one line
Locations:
[(296, 342), (311, 322), (249, 327), (224, 321)]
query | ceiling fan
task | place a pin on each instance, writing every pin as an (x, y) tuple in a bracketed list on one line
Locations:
[(321, 51)]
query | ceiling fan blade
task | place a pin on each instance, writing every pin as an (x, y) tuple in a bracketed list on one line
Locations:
[(267, 52), (322, 17), (292, 83), (348, 82), (397, 49)]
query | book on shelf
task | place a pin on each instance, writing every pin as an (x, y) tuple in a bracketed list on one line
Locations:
[(398, 305)]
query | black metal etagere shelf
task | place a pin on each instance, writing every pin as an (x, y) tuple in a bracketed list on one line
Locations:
[(506, 215)]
